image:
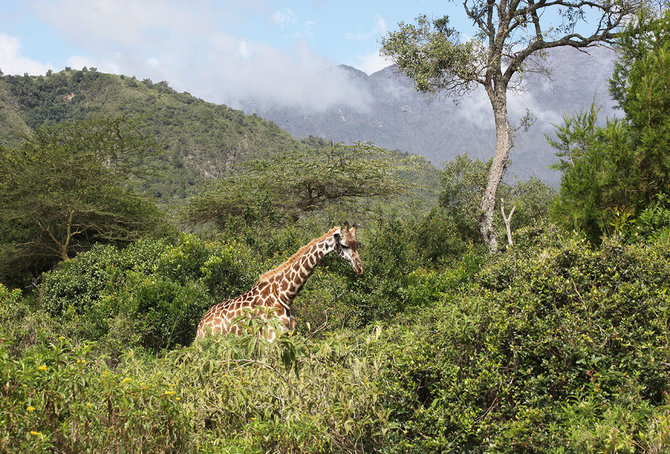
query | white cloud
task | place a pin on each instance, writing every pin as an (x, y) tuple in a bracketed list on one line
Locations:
[(187, 45), (309, 83), (116, 22), (284, 18), (244, 50), (372, 63), (379, 28), (12, 62)]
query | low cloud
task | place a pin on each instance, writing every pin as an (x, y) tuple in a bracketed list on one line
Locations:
[(268, 76), (185, 45), (12, 62)]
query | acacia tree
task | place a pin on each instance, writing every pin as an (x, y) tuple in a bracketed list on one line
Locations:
[(293, 183), (510, 32), (66, 187)]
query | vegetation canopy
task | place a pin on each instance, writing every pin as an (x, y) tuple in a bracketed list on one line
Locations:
[(294, 183), (68, 186)]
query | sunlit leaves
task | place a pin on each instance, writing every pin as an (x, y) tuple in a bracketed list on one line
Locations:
[(293, 183)]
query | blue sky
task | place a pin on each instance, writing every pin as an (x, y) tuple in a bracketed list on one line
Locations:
[(219, 50)]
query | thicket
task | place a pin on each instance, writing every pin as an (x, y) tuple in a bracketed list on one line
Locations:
[(555, 345)]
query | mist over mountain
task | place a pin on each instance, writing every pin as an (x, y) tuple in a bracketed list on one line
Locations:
[(385, 109)]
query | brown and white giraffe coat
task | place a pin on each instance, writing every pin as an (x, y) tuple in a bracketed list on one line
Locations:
[(275, 290)]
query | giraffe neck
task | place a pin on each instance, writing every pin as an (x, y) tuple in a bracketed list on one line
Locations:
[(291, 276)]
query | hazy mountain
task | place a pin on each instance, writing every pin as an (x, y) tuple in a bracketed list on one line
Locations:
[(393, 115)]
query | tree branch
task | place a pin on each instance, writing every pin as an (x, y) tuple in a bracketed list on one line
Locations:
[(48, 231), (508, 220)]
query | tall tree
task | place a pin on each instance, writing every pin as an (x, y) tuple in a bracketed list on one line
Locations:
[(66, 188), (293, 183), (510, 32), (613, 173)]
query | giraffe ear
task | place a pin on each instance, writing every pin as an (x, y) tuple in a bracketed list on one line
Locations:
[(354, 227)]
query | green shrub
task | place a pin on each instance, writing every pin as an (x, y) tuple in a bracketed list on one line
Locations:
[(389, 256), (292, 395), (546, 336), (149, 294), (58, 398), (21, 325), (225, 394)]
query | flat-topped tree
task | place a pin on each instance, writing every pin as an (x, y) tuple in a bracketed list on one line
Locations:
[(509, 33), (68, 187)]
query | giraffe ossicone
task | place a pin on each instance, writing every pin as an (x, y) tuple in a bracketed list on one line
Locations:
[(275, 290)]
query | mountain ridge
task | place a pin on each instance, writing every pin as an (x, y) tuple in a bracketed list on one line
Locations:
[(201, 140), (400, 118)]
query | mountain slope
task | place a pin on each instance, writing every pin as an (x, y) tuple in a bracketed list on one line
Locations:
[(437, 128), (201, 139)]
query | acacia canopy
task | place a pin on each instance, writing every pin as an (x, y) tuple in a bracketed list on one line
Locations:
[(293, 183), (66, 187)]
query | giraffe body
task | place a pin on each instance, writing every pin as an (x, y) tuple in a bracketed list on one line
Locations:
[(275, 290)]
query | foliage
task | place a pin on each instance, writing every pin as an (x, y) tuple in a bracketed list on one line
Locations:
[(293, 183), (432, 55), (221, 395), (574, 137), (21, 324), (151, 294), (614, 172), (533, 199), (462, 185), (452, 228), (553, 345), (63, 190), (58, 397)]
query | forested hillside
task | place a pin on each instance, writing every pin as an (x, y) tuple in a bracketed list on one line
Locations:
[(199, 139), (556, 341)]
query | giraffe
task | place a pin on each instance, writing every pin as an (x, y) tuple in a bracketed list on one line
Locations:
[(275, 290)]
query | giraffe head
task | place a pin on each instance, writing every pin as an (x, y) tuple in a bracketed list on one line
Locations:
[(346, 247)]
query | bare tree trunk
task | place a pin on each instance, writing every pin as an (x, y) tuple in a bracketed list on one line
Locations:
[(508, 220), (498, 98)]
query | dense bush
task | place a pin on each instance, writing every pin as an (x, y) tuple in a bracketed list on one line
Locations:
[(151, 293), (557, 344), (394, 279), (59, 398), (222, 395)]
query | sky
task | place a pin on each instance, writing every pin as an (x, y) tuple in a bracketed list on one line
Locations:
[(222, 51)]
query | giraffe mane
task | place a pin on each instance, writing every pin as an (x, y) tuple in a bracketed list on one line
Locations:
[(288, 263)]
